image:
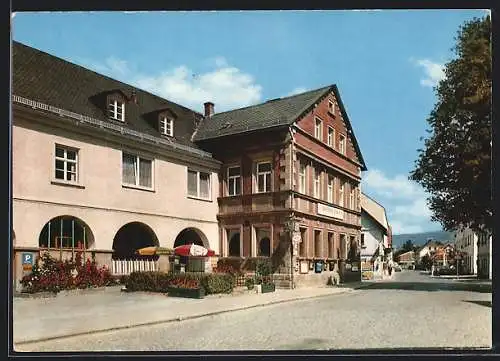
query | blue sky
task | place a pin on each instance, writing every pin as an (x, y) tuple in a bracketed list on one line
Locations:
[(385, 64)]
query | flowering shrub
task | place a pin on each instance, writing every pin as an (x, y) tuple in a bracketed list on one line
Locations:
[(227, 268), (159, 282), (51, 275), (184, 282)]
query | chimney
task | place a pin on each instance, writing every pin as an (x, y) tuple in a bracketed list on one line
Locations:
[(209, 109), (133, 97)]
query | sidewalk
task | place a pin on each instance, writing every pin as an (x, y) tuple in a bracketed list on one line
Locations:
[(38, 319)]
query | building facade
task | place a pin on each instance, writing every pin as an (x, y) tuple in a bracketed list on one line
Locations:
[(376, 248), (407, 260), (291, 171), (466, 242), (102, 167), (484, 255)]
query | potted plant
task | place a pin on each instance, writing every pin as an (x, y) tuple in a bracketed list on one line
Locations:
[(263, 271), (184, 287), (250, 283), (268, 285)]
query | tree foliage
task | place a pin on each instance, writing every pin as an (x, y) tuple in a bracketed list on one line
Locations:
[(426, 261), (455, 166)]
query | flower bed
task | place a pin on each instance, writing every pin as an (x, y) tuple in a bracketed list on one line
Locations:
[(51, 275), (186, 292), (212, 283)]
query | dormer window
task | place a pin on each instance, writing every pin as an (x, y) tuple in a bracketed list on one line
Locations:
[(166, 126), (116, 109)]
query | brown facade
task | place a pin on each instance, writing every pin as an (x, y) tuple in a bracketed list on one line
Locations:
[(325, 236)]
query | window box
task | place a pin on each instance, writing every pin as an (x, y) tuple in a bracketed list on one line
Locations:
[(186, 292)]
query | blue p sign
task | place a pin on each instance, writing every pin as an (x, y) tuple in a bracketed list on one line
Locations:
[(27, 258)]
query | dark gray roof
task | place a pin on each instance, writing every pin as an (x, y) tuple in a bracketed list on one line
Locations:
[(271, 114), (281, 111), (48, 79)]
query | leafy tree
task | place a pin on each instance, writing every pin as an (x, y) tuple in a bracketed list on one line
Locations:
[(455, 166), (426, 262)]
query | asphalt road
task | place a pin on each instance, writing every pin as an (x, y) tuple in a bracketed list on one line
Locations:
[(414, 310)]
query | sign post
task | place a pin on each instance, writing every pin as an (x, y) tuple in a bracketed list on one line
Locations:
[(27, 262)]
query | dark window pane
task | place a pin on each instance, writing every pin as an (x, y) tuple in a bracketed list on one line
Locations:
[(59, 174), (238, 185), (59, 164), (235, 171), (193, 183), (71, 154), (264, 167), (59, 152)]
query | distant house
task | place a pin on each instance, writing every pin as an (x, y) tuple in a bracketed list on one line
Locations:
[(429, 248), (406, 259), (376, 236), (476, 247), (444, 255)]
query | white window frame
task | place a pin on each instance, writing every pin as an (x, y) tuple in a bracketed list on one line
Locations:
[(331, 108), (165, 124), (236, 178), (341, 193), (113, 112), (351, 197), (264, 173), (66, 161), (137, 171), (318, 131), (330, 187), (198, 182), (317, 183), (342, 144), (302, 177), (331, 136)]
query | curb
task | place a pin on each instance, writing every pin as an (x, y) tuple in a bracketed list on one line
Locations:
[(178, 318)]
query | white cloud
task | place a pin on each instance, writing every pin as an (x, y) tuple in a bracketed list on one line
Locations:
[(226, 86), (397, 187), (404, 200), (297, 90), (417, 208), (12, 15), (434, 72), (400, 228)]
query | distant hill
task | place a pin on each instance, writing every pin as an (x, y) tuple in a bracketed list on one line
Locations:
[(420, 239)]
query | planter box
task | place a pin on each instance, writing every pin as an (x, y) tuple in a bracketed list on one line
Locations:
[(186, 292), (269, 287)]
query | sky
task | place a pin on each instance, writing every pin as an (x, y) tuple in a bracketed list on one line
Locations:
[(385, 64)]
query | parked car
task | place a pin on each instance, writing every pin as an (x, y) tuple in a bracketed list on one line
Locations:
[(397, 268)]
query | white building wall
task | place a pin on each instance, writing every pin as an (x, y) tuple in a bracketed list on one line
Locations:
[(485, 256), (373, 235), (466, 241), (100, 200)]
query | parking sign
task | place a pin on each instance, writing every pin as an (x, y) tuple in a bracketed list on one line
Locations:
[(28, 258)]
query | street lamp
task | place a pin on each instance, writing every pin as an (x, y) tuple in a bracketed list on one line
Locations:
[(290, 225)]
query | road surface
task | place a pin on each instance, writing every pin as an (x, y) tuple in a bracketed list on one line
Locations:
[(413, 310)]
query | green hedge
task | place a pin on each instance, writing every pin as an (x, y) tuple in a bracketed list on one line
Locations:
[(148, 281), (213, 283)]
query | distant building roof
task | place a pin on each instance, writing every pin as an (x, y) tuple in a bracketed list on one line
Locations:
[(375, 210)]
